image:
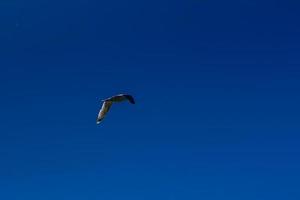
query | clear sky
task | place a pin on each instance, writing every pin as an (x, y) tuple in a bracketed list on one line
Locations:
[(217, 90)]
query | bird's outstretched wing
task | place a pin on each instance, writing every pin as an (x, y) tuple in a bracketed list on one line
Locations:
[(120, 98), (104, 109)]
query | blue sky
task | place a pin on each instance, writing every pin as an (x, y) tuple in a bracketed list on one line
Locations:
[(217, 91)]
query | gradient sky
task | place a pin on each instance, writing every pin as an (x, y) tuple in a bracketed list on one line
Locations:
[(217, 90)]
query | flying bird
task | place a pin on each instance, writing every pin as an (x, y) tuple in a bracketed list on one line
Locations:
[(109, 101)]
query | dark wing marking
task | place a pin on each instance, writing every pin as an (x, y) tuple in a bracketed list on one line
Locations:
[(129, 98)]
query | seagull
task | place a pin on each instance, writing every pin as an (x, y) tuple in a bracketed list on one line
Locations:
[(109, 101)]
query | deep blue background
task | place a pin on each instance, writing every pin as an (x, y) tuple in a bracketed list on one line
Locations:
[(217, 89)]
